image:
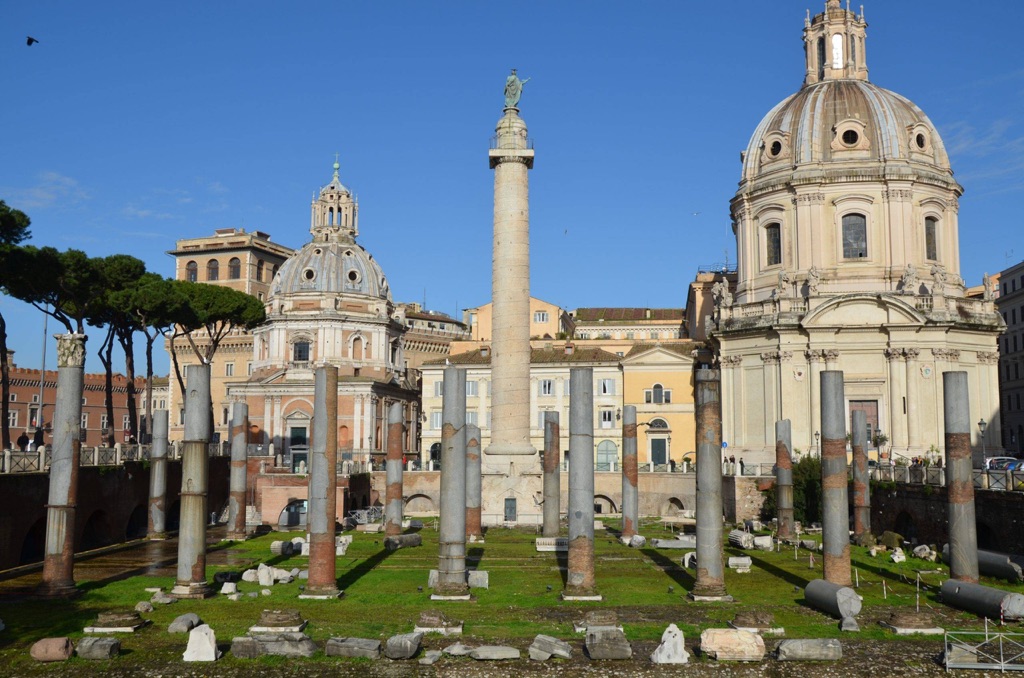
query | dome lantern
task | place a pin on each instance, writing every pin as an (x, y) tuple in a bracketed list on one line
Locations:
[(834, 44), (335, 212)]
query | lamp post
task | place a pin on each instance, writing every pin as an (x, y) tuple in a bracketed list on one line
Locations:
[(982, 425), (817, 442)]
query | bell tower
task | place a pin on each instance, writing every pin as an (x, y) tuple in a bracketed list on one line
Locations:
[(335, 213), (834, 44)]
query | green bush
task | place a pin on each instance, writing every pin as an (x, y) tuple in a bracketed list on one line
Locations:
[(806, 492)]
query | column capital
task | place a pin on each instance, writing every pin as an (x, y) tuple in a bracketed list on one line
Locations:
[(812, 355), (911, 353), (893, 354), (831, 355), (70, 350), (988, 357)]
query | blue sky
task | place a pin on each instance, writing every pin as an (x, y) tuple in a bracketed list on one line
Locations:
[(133, 124)]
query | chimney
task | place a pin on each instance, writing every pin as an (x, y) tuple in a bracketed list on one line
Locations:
[(569, 349), (485, 351)]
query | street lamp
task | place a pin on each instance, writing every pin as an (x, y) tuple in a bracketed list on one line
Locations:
[(982, 425), (817, 444)]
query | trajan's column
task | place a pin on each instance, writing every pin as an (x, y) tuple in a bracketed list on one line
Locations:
[(511, 468)]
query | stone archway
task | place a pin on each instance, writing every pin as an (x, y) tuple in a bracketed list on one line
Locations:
[(420, 503), (97, 531), (905, 526), (34, 545), (137, 524), (604, 505)]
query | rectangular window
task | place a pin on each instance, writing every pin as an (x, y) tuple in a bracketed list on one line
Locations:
[(85, 421), (103, 421), (248, 369), (1013, 314), (12, 418), (13, 397), (126, 422), (471, 388), (607, 419), (181, 417), (35, 398), (226, 417), (301, 351), (438, 388), (606, 387), (773, 243), (648, 396), (435, 420), (668, 397), (930, 247), (33, 412), (855, 236), (473, 417), (540, 316), (565, 386), (163, 404), (547, 387), (229, 370)]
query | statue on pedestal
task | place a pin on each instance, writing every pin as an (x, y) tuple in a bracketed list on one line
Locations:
[(513, 89)]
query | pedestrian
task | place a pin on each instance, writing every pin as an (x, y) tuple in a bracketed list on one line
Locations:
[(37, 439), (742, 467), (23, 441)]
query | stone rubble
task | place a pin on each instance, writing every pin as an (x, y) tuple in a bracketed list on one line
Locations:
[(202, 645), (607, 642), (52, 650), (184, 623), (494, 653), (546, 647), (403, 646), (353, 647), (98, 648), (732, 644)]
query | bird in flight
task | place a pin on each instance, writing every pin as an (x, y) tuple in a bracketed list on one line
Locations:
[(30, 41)]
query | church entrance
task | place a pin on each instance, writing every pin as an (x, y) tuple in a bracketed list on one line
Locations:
[(870, 410)]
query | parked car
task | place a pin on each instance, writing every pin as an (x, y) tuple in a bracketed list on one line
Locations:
[(998, 463)]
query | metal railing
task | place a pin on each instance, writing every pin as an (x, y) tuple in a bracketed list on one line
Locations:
[(14, 461), (984, 650)]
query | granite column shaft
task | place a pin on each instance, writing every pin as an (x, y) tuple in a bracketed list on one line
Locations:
[(861, 481), (710, 577), (580, 579), (784, 479), (474, 488), (836, 518), (158, 477), (963, 531), (59, 554), (393, 503), (451, 570), (552, 473), (239, 470), (323, 484), (630, 493), (195, 465)]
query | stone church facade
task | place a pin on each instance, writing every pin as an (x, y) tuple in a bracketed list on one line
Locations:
[(848, 259)]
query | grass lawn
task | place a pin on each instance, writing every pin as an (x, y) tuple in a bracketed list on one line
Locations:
[(646, 587)]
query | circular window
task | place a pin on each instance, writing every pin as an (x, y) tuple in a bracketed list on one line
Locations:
[(348, 253), (920, 141), (308, 274), (318, 251), (850, 137), (776, 148), (353, 276)]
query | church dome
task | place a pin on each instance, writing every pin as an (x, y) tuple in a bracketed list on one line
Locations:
[(330, 268), (844, 121)]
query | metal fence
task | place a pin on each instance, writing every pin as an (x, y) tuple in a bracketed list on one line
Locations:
[(984, 650)]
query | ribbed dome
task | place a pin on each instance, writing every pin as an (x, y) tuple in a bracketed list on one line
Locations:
[(332, 268), (843, 120)]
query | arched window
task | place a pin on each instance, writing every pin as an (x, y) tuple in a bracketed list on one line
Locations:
[(773, 243), (821, 58), (300, 351), (607, 455), (192, 271), (855, 236), (212, 270), (234, 268), (659, 424), (930, 246), (273, 272), (259, 270)]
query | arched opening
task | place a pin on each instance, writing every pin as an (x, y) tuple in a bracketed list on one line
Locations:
[(173, 519), (905, 526), (357, 348), (673, 507), (35, 543), (604, 505), (212, 270), (192, 271), (773, 244), (987, 538), (137, 524), (344, 438), (419, 503), (855, 236), (293, 515), (234, 268), (97, 532), (259, 270)]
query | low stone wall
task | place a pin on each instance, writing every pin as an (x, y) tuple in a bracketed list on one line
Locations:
[(743, 496)]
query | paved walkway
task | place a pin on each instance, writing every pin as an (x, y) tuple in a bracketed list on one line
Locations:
[(142, 557)]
